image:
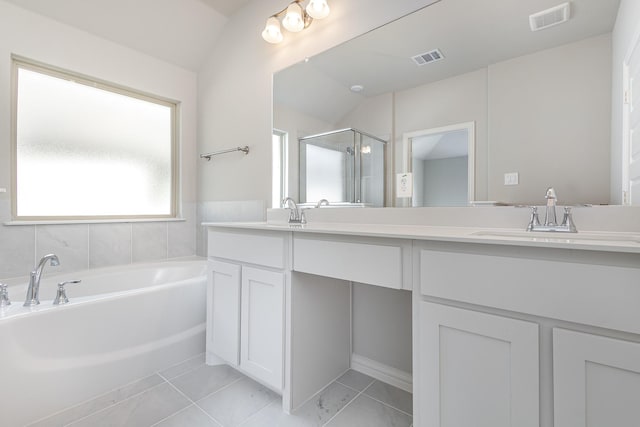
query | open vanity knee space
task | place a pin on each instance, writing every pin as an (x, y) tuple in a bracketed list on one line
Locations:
[(503, 331)]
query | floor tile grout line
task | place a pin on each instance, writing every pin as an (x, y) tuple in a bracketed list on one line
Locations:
[(355, 389), (387, 405), (158, 373), (255, 414), (204, 397), (91, 399), (193, 403), (171, 415), (183, 373), (344, 407), (117, 403), (373, 398)]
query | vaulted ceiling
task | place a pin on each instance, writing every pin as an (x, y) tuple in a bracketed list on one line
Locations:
[(181, 32)]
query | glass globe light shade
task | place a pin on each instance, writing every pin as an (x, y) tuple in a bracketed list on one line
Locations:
[(318, 9), (272, 33), (294, 20)]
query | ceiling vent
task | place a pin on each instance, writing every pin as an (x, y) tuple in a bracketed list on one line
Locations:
[(428, 57), (550, 17)]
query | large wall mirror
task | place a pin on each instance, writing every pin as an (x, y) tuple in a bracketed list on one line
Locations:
[(540, 101)]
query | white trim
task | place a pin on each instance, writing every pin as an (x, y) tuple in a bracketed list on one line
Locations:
[(626, 113), (92, 221), (471, 150), (382, 372)]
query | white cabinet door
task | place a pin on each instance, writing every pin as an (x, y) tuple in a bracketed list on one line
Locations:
[(262, 325), (223, 311), (596, 380), (476, 369)]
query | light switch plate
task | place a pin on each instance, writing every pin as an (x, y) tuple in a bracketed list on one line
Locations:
[(404, 185), (511, 178)]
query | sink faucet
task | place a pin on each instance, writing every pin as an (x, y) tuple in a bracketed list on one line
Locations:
[(296, 216), (322, 202), (550, 222), (34, 280)]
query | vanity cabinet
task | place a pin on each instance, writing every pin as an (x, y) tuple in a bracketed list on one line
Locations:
[(370, 260), (246, 302), (223, 311), (596, 380), (262, 325), (498, 343), (477, 369)]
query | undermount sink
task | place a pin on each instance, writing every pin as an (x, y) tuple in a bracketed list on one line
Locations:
[(560, 236)]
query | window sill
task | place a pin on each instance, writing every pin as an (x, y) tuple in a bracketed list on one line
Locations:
[(91, 221)]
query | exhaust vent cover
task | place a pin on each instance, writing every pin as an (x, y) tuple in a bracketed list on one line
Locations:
[(428, 57), (550, 17)]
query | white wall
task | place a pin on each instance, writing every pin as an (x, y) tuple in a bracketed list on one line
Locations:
[(382, 325), (80, 246), (626, 29), (550, 140)]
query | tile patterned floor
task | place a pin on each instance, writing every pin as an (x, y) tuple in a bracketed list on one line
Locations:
[(193, 394)]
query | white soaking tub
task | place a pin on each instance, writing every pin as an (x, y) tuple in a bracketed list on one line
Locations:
[(121, 324)]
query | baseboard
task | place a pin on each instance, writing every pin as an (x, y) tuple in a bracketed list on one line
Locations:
[(382, 372)]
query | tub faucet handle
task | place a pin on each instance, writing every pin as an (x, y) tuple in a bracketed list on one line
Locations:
[(61, 295), (4, 296)]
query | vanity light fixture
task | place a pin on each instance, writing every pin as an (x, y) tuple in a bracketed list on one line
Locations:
[(294, 18)]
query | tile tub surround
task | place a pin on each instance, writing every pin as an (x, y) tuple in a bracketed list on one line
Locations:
[(192, 394), (83, 246)]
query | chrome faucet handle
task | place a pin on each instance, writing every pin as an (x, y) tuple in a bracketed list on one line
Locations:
[(4, 296), (534, 221), (567, 220), (61, 295)]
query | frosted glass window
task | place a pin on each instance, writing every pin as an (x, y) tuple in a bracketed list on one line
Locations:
[(326, 174), (87, 150)]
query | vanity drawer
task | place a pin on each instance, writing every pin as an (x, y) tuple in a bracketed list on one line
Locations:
[(577, 286), (363, 260), (265, 248)]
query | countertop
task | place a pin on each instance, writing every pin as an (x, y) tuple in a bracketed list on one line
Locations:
[(592, 241)]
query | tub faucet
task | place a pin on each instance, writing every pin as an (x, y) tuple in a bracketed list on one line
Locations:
[(34, 280), (296, 216), (550, 221)]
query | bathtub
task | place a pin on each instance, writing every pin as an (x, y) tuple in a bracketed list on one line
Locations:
[(120, 324)]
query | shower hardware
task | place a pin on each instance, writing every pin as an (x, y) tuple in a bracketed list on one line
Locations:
[(208, 156), (61, 295)]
